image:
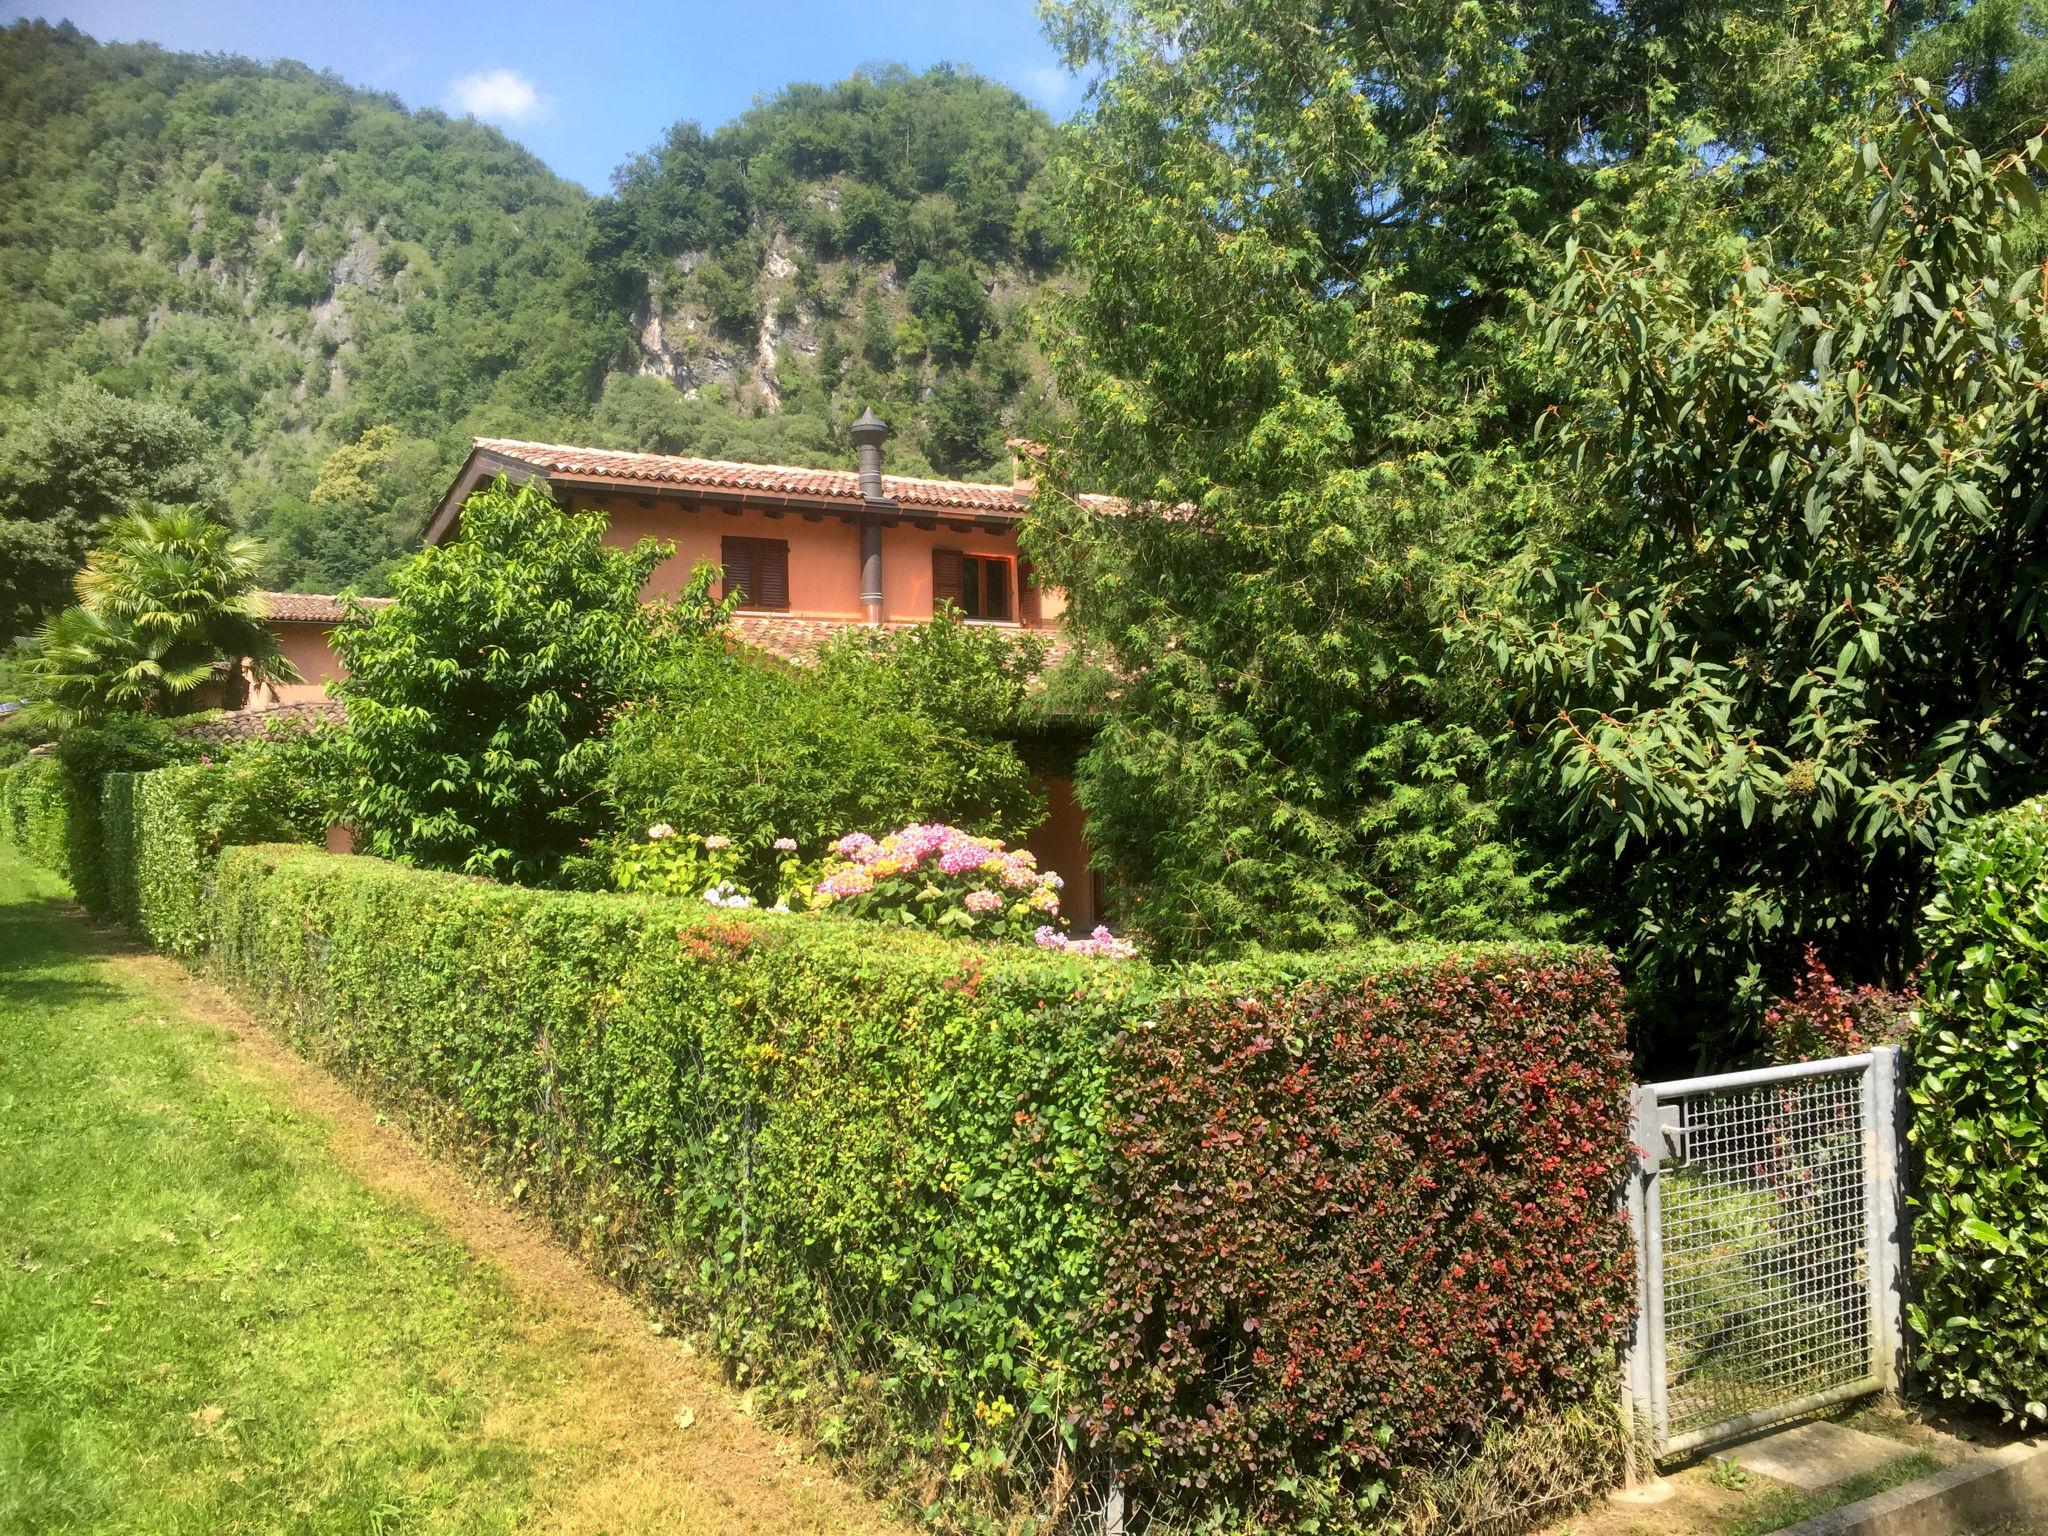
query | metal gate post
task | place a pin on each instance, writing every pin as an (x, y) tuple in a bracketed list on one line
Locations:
[(1638, 1388), (1888, 1226)]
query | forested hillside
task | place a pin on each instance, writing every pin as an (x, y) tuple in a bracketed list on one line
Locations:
[(341, 292)]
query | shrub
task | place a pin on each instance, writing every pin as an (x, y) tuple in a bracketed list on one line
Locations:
[(1357, 1217), (479, 700), (1980, 1125), (948, 1204), (1822, 1018), (732, 742), (37, 811), (705, 868)]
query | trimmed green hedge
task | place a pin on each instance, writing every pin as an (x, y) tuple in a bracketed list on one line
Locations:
[(160, 832), (895, 1178), (37, 811), (867, 1163), (158, 854), (1980, 1120), (89, 754)]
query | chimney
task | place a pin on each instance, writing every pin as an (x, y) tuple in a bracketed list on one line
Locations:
[(1025, 457), (869, 433)]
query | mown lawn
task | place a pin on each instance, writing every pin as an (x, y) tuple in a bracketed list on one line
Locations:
[(207, 1324)]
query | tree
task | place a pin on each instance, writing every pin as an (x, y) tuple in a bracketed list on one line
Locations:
[(71, 461), (1303, 232), (164, 610), (1793, 636), (480, 701)]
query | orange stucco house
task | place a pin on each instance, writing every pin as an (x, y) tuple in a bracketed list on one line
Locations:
[(810, 551)]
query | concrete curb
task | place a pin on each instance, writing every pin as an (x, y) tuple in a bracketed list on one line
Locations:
[(2010, 1483)]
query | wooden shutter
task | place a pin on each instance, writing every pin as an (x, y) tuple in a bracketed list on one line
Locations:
[(758, 569), (737, 556), (946, 585), (772, 571)]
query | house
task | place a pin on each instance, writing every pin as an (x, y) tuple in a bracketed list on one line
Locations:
[(808, 551), (303, 624), (803, 547)]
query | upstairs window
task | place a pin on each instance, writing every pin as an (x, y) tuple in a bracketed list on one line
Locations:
[(758, 570), (980, 586)]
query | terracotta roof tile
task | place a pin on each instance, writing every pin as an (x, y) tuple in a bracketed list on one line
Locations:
[(775, 479), (311, 607), (246, 724)]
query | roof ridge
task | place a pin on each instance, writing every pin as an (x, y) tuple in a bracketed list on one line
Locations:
[(491, 444)]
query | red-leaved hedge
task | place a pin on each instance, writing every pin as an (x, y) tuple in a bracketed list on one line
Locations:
[(1358, 1218)]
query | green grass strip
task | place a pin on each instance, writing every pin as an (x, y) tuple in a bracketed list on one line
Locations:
[(206, 1324)]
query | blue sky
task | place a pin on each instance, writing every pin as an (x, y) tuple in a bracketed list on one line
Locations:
[(586, 86)]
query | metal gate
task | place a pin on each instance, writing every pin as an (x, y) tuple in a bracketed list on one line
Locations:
[(1766, 1211)]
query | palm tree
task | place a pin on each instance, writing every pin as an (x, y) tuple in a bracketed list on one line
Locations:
[(165, 606)]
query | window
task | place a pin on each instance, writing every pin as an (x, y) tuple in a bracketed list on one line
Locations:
[(757, 569), (980, 586)]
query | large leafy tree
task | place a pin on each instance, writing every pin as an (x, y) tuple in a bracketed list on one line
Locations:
[(165, 622), (70, 462), (480, 700), (1794, 634), (1304, 228)]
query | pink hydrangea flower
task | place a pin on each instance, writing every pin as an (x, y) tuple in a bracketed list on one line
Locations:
[(715, 842), (982, 901), (660, 830), (965, 855), (785, 845)]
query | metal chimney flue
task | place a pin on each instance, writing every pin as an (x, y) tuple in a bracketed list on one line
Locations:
[(869, 433)]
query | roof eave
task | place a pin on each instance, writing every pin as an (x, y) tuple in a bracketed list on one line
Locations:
[(481, 465)]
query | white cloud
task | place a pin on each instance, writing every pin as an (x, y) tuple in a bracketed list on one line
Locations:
[(497, 96), (1050, 84)]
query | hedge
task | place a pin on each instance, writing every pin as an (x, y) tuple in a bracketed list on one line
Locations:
[(990, 1218), (159, 853), (1979, 1094), (1357, 1219), (37, 810), (56, 802)]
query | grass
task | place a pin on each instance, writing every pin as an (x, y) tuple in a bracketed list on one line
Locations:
[(209, 1324), (205, 1325), (1782, 1507)]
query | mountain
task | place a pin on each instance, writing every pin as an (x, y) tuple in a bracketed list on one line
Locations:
[(868, 243), (343, 291)]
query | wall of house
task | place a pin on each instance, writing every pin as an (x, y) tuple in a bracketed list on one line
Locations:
[(907, 564), (310, 648), (824, 556)]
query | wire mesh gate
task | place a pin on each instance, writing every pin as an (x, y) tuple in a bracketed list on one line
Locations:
[(1766, 1212)]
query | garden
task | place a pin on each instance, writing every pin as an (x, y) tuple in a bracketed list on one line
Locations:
[(1436, 799)]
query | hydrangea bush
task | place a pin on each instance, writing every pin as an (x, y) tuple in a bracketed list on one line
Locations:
[(939, 877), (924, 875)]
